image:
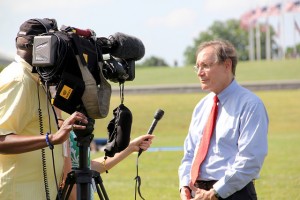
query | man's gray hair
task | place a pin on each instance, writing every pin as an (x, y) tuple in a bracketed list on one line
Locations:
[(223, 49)]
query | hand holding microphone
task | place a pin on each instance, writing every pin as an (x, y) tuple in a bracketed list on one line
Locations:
[(157, 116)]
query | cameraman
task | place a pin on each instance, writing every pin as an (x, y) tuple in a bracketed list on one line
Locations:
[(25, 118), (21, 175)]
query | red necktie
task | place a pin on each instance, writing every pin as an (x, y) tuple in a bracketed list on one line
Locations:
[(204, 144)]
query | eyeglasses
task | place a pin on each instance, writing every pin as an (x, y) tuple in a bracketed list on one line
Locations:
[(203, 67)]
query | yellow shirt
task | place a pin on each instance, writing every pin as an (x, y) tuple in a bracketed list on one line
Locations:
[(21, 175)]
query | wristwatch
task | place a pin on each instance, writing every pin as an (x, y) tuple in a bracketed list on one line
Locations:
[(187, 188), (216, 194)]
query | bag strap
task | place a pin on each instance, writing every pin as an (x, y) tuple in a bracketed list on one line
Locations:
[(121, 85)]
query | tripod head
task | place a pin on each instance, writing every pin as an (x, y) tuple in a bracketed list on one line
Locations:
[(84, 138), (89, 128)]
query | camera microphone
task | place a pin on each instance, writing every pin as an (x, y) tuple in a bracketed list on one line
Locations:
[(126, 47), (157, 116)]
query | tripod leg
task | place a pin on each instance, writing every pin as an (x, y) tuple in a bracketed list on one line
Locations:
[(69, 191), (66, 191), (101, 189), (99, 192)]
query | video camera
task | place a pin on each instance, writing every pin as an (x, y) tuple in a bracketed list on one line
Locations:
[(79, 64)]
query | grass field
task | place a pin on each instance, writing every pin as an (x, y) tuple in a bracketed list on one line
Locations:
[(280, 177), (159, 169), (280, 174), (246, 71)]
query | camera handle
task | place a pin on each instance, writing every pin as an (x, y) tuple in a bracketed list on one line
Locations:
[(83, 176)]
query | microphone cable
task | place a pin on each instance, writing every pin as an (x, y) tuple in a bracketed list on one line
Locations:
[(138, 180)]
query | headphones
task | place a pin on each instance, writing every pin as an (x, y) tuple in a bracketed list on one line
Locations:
[(49, 25)]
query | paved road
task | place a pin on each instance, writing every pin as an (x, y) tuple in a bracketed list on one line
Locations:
[(193, 88)]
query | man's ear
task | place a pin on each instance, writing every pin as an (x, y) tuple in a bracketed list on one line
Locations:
[(228, 64), (26, 54)]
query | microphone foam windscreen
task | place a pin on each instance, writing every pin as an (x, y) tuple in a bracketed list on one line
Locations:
[(127, 47)]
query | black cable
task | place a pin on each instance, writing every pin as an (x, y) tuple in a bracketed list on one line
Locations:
[(44, 164), (45, 176), (47, 73), (50, 131), (138, 180)]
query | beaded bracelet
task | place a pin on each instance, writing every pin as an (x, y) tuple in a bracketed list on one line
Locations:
[(48, 141), (104, 164)]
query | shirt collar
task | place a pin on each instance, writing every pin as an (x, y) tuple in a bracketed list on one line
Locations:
[(227, 91), (27, 67)]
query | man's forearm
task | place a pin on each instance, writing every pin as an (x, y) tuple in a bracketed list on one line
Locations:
[(15, 144)]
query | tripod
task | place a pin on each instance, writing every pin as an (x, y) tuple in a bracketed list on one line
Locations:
[(83, 176)]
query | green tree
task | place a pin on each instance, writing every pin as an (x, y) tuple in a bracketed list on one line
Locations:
[(229, 30), (154, 61), (293, 52)]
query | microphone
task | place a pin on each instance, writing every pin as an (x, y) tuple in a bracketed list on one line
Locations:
[(157, 116), (126, 47)]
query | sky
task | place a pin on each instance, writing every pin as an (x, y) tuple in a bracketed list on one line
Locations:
[(166, 27)]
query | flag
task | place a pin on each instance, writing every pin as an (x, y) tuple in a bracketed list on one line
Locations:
[(292, 6), (274, 10), (258, 13), (263, 11), (297, 28), (246, 20)]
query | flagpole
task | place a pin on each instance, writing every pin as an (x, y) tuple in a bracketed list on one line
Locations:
[(258, 46), (268, 40), (251, 43), (295, 42), (282, 31)]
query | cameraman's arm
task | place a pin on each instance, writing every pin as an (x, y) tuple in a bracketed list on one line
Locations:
[(14, 143), (142, 142)]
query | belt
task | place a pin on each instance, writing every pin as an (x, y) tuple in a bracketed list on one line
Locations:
[(205, 185)]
